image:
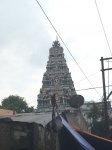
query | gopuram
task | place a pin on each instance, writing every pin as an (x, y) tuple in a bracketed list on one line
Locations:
[(56, 80)]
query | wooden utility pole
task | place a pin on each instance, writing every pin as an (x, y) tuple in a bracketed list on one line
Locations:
[(104, 97)]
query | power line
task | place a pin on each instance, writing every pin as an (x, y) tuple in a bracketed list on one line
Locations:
[(32, 102), (88, 77), (92, 88), (66, 47), (103, 27), (80, 90)]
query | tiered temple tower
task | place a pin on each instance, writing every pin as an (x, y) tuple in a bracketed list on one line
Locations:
[(57, 79)]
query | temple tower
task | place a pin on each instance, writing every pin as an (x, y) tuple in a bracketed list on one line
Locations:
[(57, 79)]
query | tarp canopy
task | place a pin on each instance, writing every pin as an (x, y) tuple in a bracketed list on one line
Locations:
[(83, 143), (96, 141)]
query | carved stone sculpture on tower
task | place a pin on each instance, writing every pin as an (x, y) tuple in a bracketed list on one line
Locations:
[(57, 79)]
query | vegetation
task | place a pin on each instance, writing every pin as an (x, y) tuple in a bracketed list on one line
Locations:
[(94, 112), (98, 127), (15, 102), (98, 122)]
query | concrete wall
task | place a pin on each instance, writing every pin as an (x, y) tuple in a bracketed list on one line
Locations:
[(16, 136), (73, 118), (76, 119), (44, 139), (26, 136), (4, 112)]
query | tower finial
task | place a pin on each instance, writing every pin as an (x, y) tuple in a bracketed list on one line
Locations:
[(56, 38)]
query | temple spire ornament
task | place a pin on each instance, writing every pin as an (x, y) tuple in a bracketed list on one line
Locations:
[(56, 38), (56, 44), (56, 80)]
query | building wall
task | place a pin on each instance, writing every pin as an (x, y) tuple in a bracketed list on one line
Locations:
[(4, 112), (77, 119), (16, 136), (44, 139), (26, 136), (88, 105), (73, 118)]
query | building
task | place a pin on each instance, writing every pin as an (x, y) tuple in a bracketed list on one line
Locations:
[(4, 112), (88, 105), (57, 79), (34, 135)]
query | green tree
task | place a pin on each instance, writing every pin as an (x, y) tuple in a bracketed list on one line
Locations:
[(94, 112), (15, 102), (98, 127), (98, 121)]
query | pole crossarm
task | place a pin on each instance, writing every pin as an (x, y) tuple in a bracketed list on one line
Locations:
[(109, 95), (105, 58), (106, 69)]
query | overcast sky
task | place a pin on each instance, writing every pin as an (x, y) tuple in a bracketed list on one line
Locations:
[(26, 36)]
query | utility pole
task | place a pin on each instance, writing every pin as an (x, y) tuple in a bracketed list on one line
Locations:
[(104, 97)]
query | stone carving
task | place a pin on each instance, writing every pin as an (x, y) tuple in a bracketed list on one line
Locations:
[(56, 67), (56, 44), (56, 79)]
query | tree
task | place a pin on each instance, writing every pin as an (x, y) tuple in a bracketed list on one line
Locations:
[(98, 127), (15, 102), (98, 121), (94, 112)]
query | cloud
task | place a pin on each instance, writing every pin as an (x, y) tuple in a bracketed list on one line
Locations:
[(26, 36), (23, 48)]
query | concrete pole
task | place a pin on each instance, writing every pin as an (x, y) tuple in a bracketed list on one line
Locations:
[(105, 100)]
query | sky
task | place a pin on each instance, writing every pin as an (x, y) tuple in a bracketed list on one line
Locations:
[(26, 37)]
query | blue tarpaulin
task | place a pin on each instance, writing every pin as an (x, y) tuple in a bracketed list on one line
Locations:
[(83, 143)]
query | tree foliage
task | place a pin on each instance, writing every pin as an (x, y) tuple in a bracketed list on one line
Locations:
[(98, 121), (94, 112), (15, 102), (98, 127)]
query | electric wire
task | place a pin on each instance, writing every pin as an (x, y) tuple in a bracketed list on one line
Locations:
[(88, 77), (79, 90), (103, 27), (66, 47), (93, 88), (32, 102)]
